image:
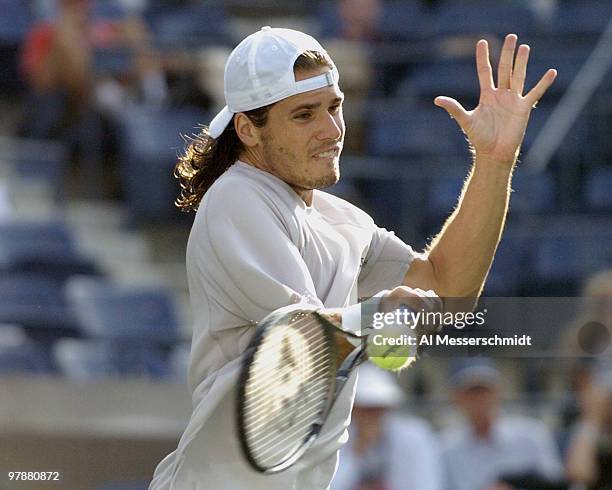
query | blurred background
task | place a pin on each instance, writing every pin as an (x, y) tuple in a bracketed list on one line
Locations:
[(96, 100)]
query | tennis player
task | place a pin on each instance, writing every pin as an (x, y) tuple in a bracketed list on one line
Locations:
[(266, 236)]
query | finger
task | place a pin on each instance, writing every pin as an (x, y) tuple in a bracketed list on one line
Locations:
[(541, 87), (483, 65), (504, 70), (455, 110), (517, 82)]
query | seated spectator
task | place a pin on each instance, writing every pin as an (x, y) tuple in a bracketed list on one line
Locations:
[(386, 450), (68, 99), (492, 451)]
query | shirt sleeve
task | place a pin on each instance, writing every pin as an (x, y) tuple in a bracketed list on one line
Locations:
[(386, 263), (262, 269)]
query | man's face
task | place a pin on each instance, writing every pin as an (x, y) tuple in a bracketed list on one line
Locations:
[(303, 137), (478, 403)]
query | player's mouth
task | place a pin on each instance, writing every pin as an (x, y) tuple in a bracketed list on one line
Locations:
[(327, 154)]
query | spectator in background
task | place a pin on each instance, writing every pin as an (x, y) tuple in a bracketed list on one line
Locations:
[(589, 454), (359, 19), (585, 338), (492, 451), (587, 413), (68, 99), (386, 451)]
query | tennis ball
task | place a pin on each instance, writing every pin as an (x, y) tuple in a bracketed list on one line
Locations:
[(392, 347)]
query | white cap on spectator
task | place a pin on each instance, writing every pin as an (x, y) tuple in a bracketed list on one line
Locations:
[(259, 72), (376, 388)]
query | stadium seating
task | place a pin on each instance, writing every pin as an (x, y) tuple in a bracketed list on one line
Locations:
[(36, 303), (567, 249), (582, 17), (178, 361), (190, 27), (451, 77), (400, 129), (122, 313), (44, 161), (19, 354), (82, 360), (533, 192), (598, 189), (482, 17), (150, 142), (510, 264), (43, 248)]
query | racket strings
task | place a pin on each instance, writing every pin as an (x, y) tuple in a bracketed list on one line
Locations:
[(286, 392), (256, 424), (263, 375)]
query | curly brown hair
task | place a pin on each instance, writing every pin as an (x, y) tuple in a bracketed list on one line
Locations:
[(205, 159)]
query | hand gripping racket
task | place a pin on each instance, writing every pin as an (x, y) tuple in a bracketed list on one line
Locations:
[(292, 372)]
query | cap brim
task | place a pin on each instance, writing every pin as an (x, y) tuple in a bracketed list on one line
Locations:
[(220, 122)]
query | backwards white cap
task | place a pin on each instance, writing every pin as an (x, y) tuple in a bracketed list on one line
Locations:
[(259, 71)]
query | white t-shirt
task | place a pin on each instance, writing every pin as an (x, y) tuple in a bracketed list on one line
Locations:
[(409, 454), (517, 446), (255, 246)]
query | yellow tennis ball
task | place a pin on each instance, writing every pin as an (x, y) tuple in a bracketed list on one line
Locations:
[(392, 347)]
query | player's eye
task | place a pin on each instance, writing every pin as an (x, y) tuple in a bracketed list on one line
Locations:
[(334, 109), (304, 116)]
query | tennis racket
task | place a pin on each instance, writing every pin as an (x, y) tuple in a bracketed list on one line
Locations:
[(292, 372)]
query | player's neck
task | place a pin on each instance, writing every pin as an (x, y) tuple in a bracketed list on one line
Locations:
[(305, 194)]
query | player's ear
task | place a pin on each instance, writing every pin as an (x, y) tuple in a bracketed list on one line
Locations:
[(246, 130)]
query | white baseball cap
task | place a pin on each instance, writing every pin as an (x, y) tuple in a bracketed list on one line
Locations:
[(259, 71)]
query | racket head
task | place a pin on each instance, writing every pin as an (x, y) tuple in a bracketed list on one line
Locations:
[(286, 387)]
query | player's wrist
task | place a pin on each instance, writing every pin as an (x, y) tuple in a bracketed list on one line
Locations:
[(358, 318)]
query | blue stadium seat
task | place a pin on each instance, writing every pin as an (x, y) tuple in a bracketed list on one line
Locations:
[(35, 237), (15, 21), (398, 21), (403, 21), (42, 248), (574, 146), (122, 313), (445, 184), (578, 17), (149, 144), (191, 26), (598, 189), (510, 264), (451, 77), (19, 354), (89, 360), (113, 61), (35, 302), (569, 249), (483, 17), (179, 362), (37, 160), (534, 193), (398, 129), (567, 65)]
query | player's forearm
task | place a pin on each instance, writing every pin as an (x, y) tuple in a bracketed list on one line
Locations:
[(462, 253)]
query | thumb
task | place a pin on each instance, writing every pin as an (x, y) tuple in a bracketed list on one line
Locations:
[(455, 110)]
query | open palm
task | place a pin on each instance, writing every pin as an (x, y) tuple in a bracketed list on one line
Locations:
[(496, 127)]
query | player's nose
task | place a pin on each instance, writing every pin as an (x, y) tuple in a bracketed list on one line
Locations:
[(332, 128)]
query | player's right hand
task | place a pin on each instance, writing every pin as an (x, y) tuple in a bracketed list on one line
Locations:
[(417, 300)]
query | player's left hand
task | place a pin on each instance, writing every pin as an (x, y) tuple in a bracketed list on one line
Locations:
[(496, 127)]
